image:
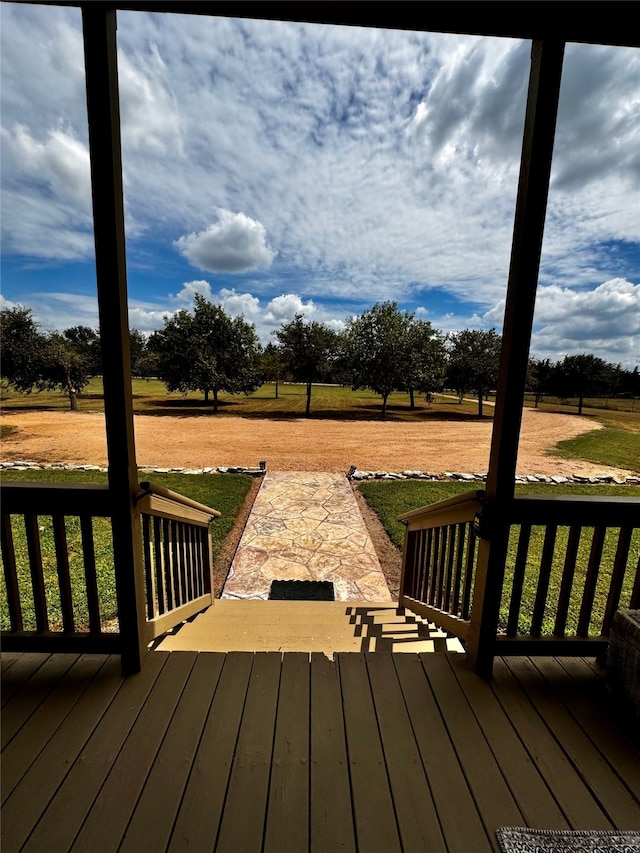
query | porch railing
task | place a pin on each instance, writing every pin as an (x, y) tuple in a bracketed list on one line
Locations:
[(439, 560), (55, 581), (178, 556), (52, 600), (572, 561)]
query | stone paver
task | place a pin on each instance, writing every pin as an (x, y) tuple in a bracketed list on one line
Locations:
[(306, 526)]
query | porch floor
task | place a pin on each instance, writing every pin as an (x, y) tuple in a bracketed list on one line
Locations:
[(247, 752)]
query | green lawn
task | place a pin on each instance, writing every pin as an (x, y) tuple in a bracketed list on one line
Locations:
[(327, 401), (224, 492), (391, 498)]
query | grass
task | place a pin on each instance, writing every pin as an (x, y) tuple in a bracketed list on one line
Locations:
[(617, 447), (224, 492), (150, 397), (391, 498)]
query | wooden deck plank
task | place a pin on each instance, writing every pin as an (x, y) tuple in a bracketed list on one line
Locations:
[(198, 819), (494, 800), (534, 800), (23, 749), (109, 816), (456, 807), (415, 810), (32, 693), (580, 695), (287, 827), (22, 666), (249, 782), (29, 800), (7, 660), (369, 752), (570, 792), (331, 816), (76, 795), (152, 821), (374, 814), (613, 796)]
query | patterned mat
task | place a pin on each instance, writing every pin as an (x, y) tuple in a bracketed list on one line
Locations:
[(515, 839)]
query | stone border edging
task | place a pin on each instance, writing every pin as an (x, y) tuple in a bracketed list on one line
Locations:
[(357, 475)]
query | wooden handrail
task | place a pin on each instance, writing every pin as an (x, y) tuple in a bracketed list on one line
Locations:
[(441, 505), (48, 498), (585, 510), (460, 508), (149, 488)]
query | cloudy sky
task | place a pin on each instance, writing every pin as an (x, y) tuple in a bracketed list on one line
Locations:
[(281, 168)]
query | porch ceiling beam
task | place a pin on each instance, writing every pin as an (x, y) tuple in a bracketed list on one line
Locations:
[(594, 22)]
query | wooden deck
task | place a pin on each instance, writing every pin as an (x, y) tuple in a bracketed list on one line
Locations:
[(247, 752)]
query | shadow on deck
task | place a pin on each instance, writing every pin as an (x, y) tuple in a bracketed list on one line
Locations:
[(293, 752)]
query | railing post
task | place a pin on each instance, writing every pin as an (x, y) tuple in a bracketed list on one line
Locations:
[(99, 30), (531, 203)]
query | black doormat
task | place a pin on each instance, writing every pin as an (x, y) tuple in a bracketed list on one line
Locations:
[(301, 591)]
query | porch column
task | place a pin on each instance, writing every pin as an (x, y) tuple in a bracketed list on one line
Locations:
[(531, 203), (99, 29)]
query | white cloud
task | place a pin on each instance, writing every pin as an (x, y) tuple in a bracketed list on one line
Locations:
[(283, 309), (189, 290), (235, 243), (604, 321), (237, 304), (379, 164)]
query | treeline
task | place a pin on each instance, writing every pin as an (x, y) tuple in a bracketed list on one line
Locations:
[(383, 349)]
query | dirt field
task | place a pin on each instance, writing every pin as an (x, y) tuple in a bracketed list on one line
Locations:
[(298, 445)]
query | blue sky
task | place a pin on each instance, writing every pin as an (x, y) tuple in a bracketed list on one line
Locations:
[(281, 168)]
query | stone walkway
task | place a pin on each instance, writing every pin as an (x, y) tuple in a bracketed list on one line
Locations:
[(306, 526)]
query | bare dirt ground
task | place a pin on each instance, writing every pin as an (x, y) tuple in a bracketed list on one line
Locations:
[(296, 445)]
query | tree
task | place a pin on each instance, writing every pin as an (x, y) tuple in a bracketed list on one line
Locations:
[(582, 375), (376, 350), (426, 359), (207, 351), (85, 341), (138, 350), (538, 376), (21, 346), (64, 365), (308, 349), (474, 356), (272, 365)]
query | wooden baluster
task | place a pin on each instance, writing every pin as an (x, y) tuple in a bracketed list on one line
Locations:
[(184, 559), (166, 563), (37, 574), (62, 565), (194, 585), (518, 579), (450, 560), (424, 564), (175, 566), (11, 574), (634, 603), (617, 578), (457, 578), (593, 569), (161, 580), (149, 573), (435, 562), (90, 577), (544, 576), (468, 575), (568, 572)]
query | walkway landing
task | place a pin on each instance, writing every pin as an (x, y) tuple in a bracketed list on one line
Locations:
[(306, 526)]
